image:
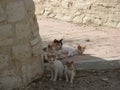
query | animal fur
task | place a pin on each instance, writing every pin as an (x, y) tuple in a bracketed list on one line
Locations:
[(71, 51), (69, 71), (57, 68)]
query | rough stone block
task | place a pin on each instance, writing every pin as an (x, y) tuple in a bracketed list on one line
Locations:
[(37, 50), (5, 31), (66, 18), (21, 51), (58, 16), (111, 23), (48, 11), (78, 19), (23, 30), (3, 61), (6, 42), (16, 11), (31, 71), (55, 3), (2, 14), (98, 21), (39, 10), (79, 5), (118, 25), (87, 20), (35, 41), (29, 4), (65, 4), (10, 82)]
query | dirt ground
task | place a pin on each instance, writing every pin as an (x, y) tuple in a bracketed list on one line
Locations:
[(102, 42), (84, 80)]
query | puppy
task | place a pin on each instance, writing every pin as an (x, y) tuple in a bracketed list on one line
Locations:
[(69, 71), (57, 68)]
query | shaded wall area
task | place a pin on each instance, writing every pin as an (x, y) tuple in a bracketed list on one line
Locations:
[(96, 12), (20, 44)]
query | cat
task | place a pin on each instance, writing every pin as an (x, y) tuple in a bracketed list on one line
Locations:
[(69, 71), (71, 51), (53, 47), (56, 66), (58, 44), (47, 50)]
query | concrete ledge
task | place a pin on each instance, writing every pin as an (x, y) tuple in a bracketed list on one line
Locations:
[(98, 64)]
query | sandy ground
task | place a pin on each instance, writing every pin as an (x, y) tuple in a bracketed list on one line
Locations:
[(102, 42)]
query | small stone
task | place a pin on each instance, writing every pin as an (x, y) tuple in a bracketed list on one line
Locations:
[(87, 20), (52, 89), (48, 11), (87, 40), (105, 79)]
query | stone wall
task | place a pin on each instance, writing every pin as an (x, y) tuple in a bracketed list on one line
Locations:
[(20, 44), (96, 12)]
